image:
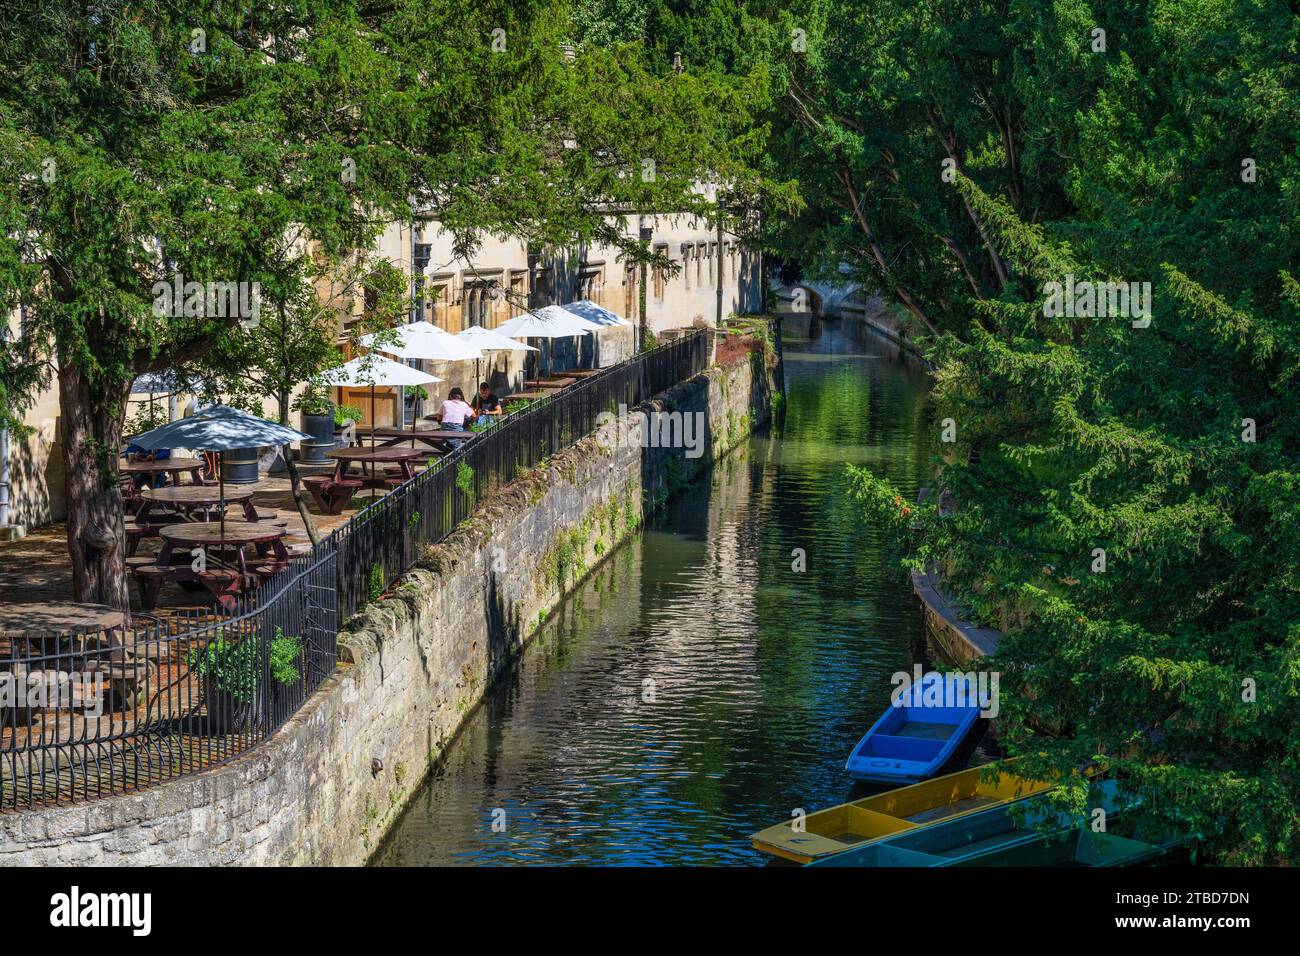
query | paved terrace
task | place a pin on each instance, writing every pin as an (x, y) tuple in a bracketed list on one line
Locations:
[(36, 569)]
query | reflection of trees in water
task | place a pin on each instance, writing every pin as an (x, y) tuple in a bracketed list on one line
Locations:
[(763, 677)]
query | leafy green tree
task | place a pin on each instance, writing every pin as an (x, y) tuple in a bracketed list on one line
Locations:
[(177, 139), (138, 147), (1118, 491)]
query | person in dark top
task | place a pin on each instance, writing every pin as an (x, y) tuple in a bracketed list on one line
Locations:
[(486, 404)]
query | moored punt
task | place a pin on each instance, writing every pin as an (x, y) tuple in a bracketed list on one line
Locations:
[(1000, 836), (931, 725), (849, 825), (1078, 847)]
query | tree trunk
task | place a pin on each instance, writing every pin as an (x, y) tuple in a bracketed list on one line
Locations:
[(295, 483), (295, 480), (91, 422)]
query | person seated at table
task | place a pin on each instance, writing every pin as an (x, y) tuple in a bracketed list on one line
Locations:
[(486, 404), (136, 453), (454, 414)]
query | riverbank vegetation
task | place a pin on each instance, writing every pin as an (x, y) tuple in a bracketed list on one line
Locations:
[(1121, 488)]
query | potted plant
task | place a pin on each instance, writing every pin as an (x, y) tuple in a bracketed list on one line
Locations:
[(345, 421), (230, 678), (318, 419)]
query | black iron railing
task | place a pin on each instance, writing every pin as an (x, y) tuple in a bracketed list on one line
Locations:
[(89, 715), (381, 543)]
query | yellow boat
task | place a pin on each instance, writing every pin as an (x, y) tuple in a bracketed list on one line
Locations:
[(864, 821)]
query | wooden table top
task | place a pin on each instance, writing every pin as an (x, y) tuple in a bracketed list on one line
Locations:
[(210, 532), (422, 433), (376, 454), (551, 383), (155, 467), (197, 495), (526, 396), (582, 372), (58, 617)]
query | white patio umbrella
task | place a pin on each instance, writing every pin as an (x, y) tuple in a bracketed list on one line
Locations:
[(374, 370), (595, 313), (490, 340), (549, 322), (167, 383), (151, 383), (219, 428), (423, 340), (586, 309)]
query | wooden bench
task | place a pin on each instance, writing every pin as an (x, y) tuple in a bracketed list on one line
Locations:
[(118, 683), (225, 585), (297, 549), (136, 532), (271, 516), (270, 569), (332, 495)]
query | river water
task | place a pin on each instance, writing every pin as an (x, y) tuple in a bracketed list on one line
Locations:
[(695, 688)]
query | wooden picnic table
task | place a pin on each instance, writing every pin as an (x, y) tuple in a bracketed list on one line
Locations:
[(333, 494), (168, 466), (34, 623), (438, 439), (400, 457), (191, 501), (216, 574), (63, 636), (188, 503), (581, 373), (554, 382)]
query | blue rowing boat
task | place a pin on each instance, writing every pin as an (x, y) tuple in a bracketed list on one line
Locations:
[(930, 726)]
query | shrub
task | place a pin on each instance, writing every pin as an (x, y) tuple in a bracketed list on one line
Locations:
[(234, 667), (347, 413), (465, 478)]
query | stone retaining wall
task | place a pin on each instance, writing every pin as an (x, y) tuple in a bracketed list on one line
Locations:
[(326, 787)]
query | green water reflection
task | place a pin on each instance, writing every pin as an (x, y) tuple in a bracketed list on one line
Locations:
[(761, 678)]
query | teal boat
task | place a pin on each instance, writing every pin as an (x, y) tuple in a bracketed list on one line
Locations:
[(994, 838)]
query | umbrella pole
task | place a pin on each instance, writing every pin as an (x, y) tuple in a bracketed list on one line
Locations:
[(372, 418), (221, 494)]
